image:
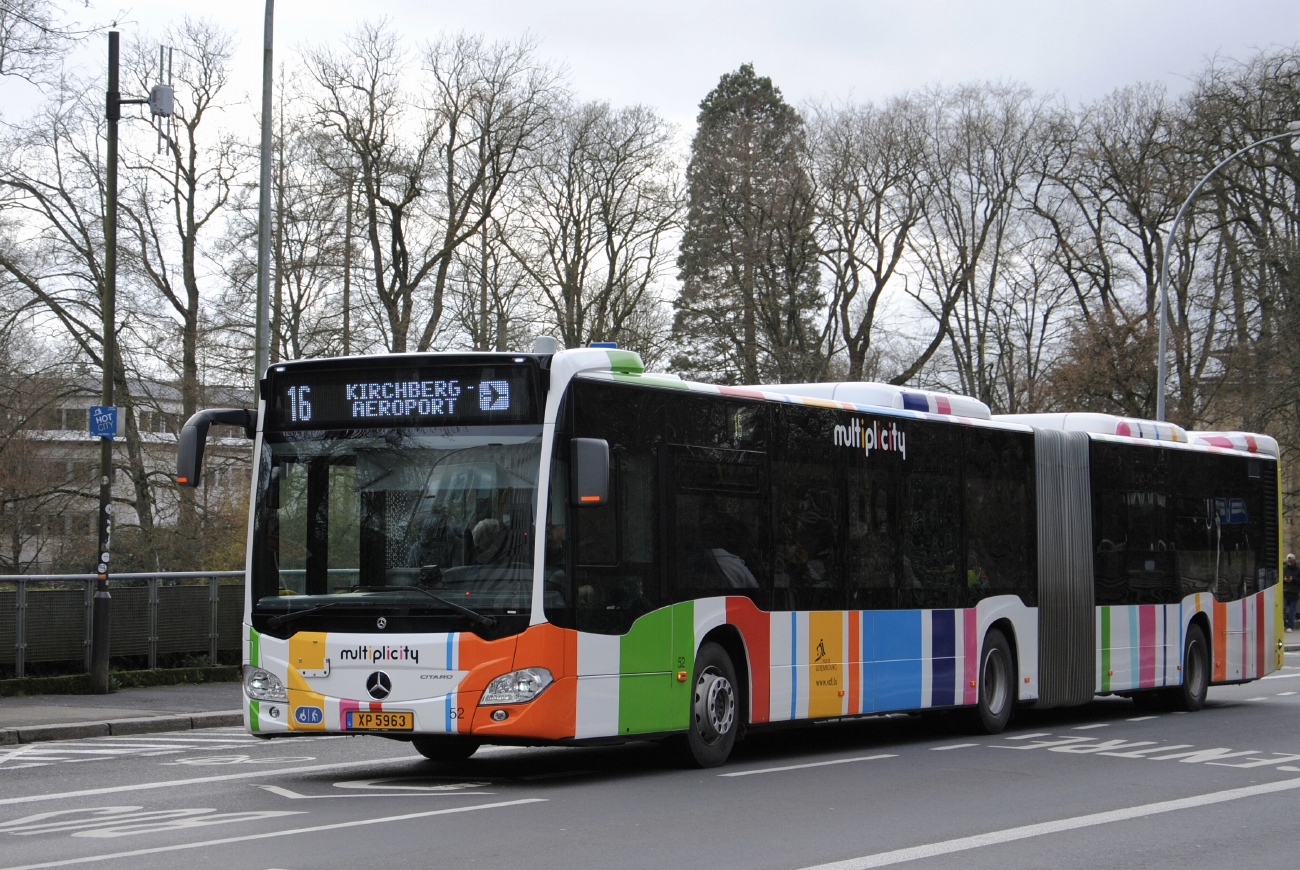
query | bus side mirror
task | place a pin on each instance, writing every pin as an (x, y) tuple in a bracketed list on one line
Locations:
[(194, 436), (589, 471)]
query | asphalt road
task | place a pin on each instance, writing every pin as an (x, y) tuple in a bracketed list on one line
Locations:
[(1100, 785)]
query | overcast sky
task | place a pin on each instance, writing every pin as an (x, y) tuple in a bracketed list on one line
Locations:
[(668, 53)]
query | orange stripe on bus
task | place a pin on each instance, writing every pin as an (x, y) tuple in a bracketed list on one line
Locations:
[(1220, 641)]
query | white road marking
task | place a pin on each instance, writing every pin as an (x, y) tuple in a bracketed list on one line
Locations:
[(953, 746), (805, 766), (1086, 727), (224, 760), (6, 754), (1279, 676), (1028, 736), (1142, 718), (1257, 699), (1009, 835), (199, 780), (88, 859), (406, 784), (298, 796), (101, 748), (124, 821), (1284, 694)]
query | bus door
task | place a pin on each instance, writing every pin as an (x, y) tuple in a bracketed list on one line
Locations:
[(625, 667)]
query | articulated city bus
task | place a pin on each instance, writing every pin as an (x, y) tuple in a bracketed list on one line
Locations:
[(458, 549)]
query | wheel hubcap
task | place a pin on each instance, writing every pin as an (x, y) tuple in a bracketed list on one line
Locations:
[(995, 682), (1196, 671), (715, 706)]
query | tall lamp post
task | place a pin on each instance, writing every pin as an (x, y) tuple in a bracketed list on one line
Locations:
[(262, 318), (1292, 129)]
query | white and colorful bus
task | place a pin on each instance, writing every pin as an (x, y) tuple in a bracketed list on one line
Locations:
[(560, 548)]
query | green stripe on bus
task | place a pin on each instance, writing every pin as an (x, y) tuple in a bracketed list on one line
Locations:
[(625, 361), (650, 381), (644, 689), (683, 661), (254, 710), (1105, 649), (254, 648)]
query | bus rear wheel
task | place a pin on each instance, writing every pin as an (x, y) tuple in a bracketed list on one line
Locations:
[(715, 709), (997, 683), (447, 750)]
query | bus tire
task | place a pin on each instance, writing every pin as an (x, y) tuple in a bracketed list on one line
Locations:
[(447, 750), (715, 709), (1190, 696), (997, 683)]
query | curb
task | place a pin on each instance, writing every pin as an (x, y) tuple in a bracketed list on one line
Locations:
[(118, 727)]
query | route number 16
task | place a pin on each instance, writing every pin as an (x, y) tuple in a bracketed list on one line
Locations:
[(299, 407)]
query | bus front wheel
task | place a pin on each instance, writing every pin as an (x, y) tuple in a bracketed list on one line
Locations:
[(448, 750), (715, 709), (997, 683)]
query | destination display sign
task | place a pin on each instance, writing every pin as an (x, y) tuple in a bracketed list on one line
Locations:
[(414, 396)]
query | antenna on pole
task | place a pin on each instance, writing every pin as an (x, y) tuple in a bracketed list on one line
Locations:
[(162, 98)]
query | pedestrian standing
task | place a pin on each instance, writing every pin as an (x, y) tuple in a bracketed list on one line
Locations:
[(1290, 590)]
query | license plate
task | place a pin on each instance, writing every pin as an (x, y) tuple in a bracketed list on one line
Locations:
[(382, 721)]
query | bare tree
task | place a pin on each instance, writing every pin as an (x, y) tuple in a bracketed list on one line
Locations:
[(34, 37), (868, 168), (594, 220), (174, 202), (981, 145), (431, 159), (42, 492)]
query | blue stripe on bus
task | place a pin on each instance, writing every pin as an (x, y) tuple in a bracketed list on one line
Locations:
[(913, 402), (451, 662), (943, 664), (898, 660)]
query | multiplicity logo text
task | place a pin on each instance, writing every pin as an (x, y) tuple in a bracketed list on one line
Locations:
[(869, 435), (375, 654)]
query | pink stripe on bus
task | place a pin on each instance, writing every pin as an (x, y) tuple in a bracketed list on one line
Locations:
[(1146, 614)]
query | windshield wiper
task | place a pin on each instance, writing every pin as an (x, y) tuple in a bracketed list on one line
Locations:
[(296, 614), (479, 619)]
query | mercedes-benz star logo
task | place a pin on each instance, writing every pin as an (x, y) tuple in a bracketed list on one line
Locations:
[(379, 685), (381, 622)]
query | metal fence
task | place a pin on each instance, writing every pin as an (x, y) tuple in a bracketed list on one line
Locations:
[(46, 618)]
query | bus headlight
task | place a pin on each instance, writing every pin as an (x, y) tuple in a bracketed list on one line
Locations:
[(263, 685), (517, 687)]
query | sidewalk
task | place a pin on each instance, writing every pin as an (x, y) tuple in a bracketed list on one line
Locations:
[(128, 711)]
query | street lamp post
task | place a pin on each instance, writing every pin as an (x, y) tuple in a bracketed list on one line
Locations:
[(1292, 129), (261, 319)]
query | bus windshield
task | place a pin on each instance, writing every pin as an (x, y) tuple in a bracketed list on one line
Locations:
[(403, 524)]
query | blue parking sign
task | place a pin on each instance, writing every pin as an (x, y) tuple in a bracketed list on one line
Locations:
[(103, 421)]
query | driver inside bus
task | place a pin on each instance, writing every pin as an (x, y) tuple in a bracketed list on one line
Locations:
[(491, 543), (434, 547)]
